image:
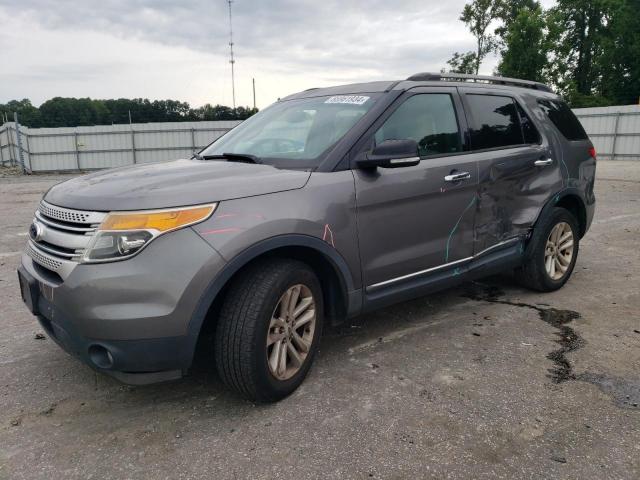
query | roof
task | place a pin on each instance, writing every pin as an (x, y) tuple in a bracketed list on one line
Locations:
[(424, 79)]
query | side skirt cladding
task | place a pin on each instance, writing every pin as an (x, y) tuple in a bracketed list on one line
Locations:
[(507, 256)]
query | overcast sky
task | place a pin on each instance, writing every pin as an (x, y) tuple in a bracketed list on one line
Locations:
[(161, 49)]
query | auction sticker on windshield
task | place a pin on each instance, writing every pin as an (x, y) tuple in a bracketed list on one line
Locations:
[(348, 99)]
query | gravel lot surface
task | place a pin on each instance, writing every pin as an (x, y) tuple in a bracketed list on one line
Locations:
[(487, 380)]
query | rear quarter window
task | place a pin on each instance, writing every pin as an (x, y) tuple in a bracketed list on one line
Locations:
[(563, 118), (495, 122)]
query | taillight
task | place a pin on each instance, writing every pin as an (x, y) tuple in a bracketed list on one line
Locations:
[(592, 152)]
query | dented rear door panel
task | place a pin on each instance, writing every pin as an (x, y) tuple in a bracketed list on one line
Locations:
[(512, 189), (512, 192)]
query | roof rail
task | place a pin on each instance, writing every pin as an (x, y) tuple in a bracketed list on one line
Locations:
[(463, 77)]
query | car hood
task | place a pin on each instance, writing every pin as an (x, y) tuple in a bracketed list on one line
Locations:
[(172, 184)]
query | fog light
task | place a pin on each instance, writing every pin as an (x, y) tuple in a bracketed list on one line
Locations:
[(100, 356)]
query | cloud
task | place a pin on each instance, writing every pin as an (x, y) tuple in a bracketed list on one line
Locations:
[(145, 47)]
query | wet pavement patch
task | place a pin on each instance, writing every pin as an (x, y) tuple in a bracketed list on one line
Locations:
[(569, 341), (625, 393)]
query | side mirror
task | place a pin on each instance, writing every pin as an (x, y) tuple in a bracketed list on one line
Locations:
[(392, 154)]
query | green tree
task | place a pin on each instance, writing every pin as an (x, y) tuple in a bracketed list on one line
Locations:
[(525, 47), (508, 10), (478, 15), (620, 57), (578, 30), (462, 63), (221, 112), (71, 112), (28, 115)]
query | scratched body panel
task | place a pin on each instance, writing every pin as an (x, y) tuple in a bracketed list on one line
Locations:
[(411, 219), (324, 209), (511, 194), (513, 190)]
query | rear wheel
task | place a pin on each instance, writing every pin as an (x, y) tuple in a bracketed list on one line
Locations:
[(552, 252), (269, 329)]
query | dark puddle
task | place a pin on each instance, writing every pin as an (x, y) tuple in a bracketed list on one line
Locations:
[(624, 393)]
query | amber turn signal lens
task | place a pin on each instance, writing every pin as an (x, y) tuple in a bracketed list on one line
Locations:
[(162, 221)]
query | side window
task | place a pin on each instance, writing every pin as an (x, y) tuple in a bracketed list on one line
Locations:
[(529, 130), (495, 122), (563, 118), (429, 119)]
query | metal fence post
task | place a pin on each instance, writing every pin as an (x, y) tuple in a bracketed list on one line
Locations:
[(615, 136), (1, 154), (193, 140), (19, 140), (12, 160), (75, 139), (133, 145), (29, 152)]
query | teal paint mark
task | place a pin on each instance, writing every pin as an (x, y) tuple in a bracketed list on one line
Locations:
[(455, 227), (456, 272)]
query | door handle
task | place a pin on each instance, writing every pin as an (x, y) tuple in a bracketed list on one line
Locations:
[(456, 177), (543, 163)]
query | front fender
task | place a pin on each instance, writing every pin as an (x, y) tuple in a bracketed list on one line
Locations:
[(238, 262)]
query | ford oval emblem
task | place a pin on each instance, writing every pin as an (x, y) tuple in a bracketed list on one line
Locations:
[(36, 231)]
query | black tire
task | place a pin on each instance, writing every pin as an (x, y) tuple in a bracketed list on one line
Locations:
[(243, 326), (533, 273)]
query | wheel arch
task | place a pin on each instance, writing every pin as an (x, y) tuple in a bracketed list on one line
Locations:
[(331, 268), (576, 206), (571, 200)]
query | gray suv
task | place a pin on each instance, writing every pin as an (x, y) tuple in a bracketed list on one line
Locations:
[(328, 204)]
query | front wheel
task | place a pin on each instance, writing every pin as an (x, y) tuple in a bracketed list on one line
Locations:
[(269, 329), (553, 252)]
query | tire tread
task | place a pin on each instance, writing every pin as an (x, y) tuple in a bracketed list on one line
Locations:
[(239, 320)]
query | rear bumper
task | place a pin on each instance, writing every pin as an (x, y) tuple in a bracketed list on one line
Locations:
[(590, 210)]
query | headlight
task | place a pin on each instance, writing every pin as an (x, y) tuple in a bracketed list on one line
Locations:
[(123, 234)]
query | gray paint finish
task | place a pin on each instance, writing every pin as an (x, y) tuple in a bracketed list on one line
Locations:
[(323, 209), (397, 232), (172, 184), (151, 295), (410, 219)]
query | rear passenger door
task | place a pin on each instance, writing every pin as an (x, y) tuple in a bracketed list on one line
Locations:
[(417, 218), (516, 168)]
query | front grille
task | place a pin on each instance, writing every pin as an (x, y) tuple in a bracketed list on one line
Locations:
[(43, 260), (66, 215), (60, 236)]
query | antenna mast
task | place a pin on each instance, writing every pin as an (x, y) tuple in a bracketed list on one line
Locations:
[(232, 60)]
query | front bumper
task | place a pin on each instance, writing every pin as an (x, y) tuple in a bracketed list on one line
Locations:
[(129, 319)]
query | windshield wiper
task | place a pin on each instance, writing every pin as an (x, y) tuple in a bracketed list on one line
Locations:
[(232, 157)]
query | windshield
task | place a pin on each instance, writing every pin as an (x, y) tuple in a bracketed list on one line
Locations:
[(294, 133)]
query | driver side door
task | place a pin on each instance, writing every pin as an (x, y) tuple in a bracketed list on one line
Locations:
[(416, 220)]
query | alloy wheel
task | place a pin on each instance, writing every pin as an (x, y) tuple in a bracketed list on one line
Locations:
[(291, 332), (559, 251)]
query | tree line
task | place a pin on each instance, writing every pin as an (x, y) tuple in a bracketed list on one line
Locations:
[(588, 50), (72, 112)]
